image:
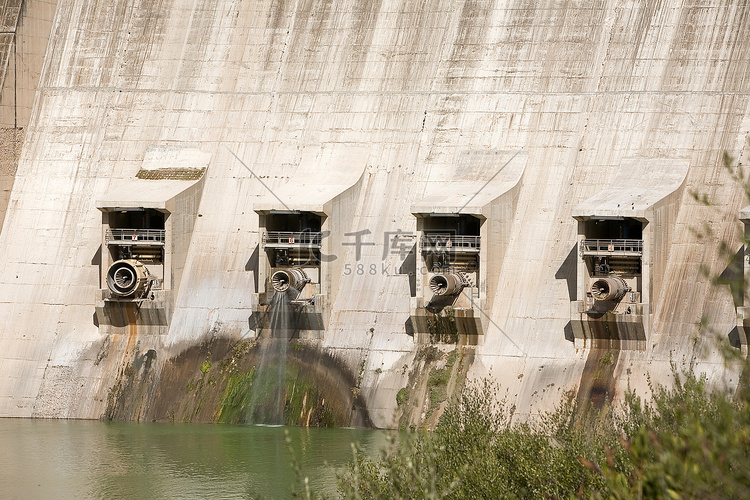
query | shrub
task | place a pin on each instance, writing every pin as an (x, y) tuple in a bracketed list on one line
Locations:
[(687, 442), (476, 452), (402, 396)]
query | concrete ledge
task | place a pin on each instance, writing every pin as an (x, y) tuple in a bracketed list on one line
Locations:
[(608, 330), (122, 314), (459, 326), (305, 321)]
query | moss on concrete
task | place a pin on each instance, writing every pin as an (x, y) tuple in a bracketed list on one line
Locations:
[(220, 381)]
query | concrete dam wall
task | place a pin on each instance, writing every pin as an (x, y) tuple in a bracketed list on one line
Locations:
[(477, 188)]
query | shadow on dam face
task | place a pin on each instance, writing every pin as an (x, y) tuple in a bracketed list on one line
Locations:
[(269, 380)]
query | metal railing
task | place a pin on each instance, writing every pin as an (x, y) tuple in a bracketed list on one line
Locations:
[(450, 242), (291, 238), (612, 246), (134, 236)]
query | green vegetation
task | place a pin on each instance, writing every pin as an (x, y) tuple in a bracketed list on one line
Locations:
[(236, 398), (437, 384), (452, 357), (438, 376), (686, 442), (442, 327), (402, 396), (251, 395)]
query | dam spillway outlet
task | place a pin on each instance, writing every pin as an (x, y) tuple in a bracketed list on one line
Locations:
[(294, 278), (128, 278), (301, 222), (611, 253), (147, 223), (448, 283), (449, 247), (610, 288), (620, 260), (290, 267), (463, 228)]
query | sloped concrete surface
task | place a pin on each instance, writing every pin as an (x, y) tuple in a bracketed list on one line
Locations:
[(626, 197), (578, 86)]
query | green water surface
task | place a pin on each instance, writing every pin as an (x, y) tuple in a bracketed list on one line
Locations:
[(92, 459)]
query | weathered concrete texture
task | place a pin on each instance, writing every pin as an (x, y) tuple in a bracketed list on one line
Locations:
[(26, 29), (23, 42), (578, 85), (9, 11), (11, 141), (624, 198)]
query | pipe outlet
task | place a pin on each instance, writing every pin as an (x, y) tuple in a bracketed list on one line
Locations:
[(293, 277), (610, 288), (448, 283), (128, 277)]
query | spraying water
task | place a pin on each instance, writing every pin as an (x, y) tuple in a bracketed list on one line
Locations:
[(269, 385)]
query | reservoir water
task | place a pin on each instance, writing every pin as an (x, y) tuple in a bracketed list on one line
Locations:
[(112, 460)]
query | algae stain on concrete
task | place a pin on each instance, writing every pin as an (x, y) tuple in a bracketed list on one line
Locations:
[(436, 376), (224, 381), (597, 385), (272, 380), (442, 326), (135, 365), (237, 398), (254, 396), (128, 398)]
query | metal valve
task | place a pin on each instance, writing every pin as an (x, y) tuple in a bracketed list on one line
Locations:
[(128, 277), (610, 288), (448, 283), (293, 277)]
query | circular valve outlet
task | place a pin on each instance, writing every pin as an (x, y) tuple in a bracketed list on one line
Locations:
[(293, 277), (447, 284), (127, 277), (610, 288)]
